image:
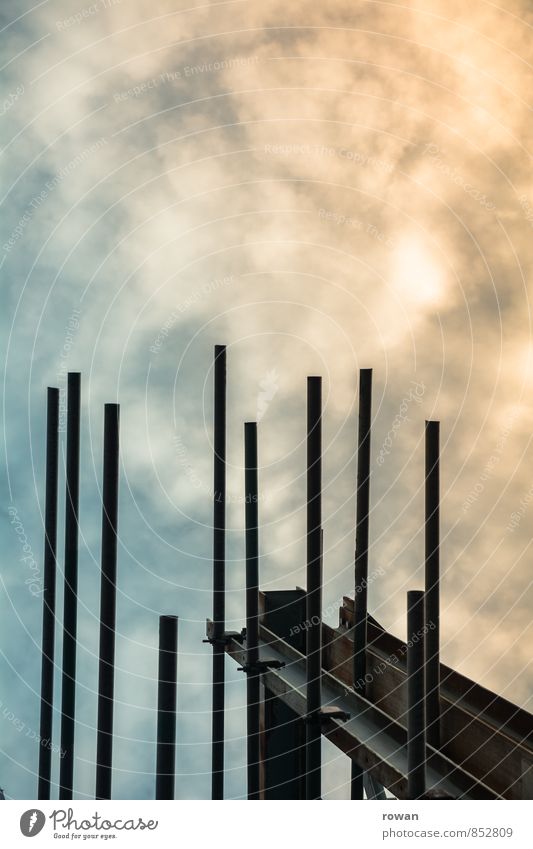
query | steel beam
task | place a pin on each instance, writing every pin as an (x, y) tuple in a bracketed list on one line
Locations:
[(370, 736)]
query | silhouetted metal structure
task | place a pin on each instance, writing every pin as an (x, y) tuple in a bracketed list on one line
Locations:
[(416, 716), (314, 588), (251, 488), (49, 594), (409, 724), (108, 602), (70, 598), (432, 576), (166, 707), (361, 552), (219, 571), (484, 746)]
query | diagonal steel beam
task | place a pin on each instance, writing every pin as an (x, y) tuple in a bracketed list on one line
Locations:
[(372, 738)]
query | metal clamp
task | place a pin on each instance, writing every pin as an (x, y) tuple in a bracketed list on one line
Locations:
[(223, 639), (326, 713), (260, 666)]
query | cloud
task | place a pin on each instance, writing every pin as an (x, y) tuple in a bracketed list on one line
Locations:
[(360, 179)]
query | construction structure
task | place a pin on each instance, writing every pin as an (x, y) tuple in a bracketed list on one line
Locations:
[(412, 727)]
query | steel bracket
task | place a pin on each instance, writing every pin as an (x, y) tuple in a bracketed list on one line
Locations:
[(326, 713), (223, 639), (261, 666)]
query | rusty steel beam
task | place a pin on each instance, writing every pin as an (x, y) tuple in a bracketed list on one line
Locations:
[(375, 740), (486, 734)]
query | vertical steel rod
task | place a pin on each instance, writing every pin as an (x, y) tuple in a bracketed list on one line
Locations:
[(361, 552), (416, 721), (361, 529), (314, 588), (252, 605), (219, 569), (166, 707), (70, 604), (49, 594), (108, 593), (432, 580)]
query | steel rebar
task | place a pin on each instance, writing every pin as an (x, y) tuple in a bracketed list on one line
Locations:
[(361, 552), (252, 607), (49, 594), (70, 604), (219, 569), (432, 583), (314, 588), (416, 723), (166, 707), (108, 593)]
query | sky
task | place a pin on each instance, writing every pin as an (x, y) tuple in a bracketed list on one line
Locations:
[(323, 188)]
